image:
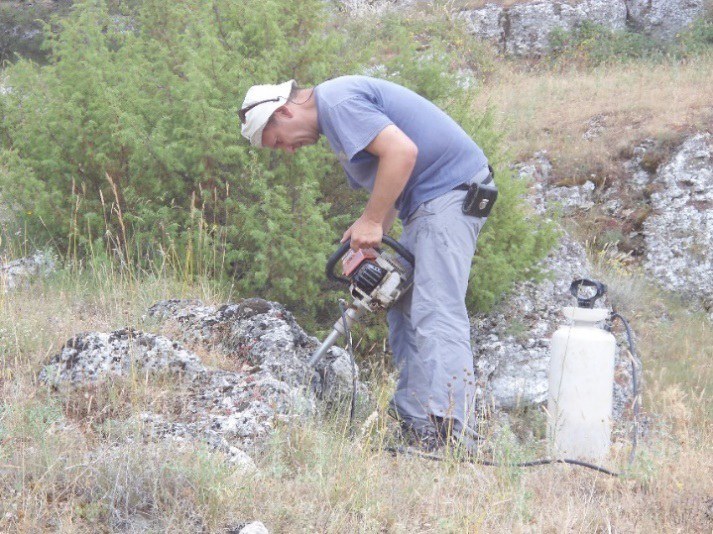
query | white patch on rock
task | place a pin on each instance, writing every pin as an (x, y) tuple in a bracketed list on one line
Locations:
[(256, 527)]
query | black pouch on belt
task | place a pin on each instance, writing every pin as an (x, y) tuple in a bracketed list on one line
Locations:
[(480, 198)]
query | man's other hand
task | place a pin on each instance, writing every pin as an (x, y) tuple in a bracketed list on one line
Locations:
[(364, 233)]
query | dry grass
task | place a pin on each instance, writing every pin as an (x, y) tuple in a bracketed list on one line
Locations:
[(72, 462), (553, 110)]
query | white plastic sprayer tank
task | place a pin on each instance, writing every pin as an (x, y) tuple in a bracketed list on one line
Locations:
[(581, 386)]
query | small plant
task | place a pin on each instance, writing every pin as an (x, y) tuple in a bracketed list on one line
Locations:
[(593, 44)]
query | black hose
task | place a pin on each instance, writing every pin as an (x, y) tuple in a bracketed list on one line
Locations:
[(489, 463), (634, 384)]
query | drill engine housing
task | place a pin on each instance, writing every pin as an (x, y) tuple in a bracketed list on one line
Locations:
[(376, 279)]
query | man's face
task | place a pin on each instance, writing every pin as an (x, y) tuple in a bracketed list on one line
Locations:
[(288, 130)]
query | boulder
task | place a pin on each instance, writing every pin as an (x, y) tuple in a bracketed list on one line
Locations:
[(264, 335), (225, 409), (95, 356), (663, 19), (269, 380), (20, 273), (527, 27)]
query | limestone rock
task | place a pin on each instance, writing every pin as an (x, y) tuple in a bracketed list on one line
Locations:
[(487, 23), (269, 381), (223, 408), (663, 18), (22, 272), (524, 29), (679, 232), (94, 356), (261, 334), (571, 199)]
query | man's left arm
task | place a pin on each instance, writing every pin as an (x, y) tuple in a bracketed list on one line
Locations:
[(397, 157)]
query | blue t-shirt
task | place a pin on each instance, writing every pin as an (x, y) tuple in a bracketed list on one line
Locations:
[(352, 111)]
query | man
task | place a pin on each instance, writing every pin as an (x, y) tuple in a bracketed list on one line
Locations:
[(417, 163)]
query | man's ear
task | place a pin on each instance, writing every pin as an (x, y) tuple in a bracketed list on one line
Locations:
[(284, 112)]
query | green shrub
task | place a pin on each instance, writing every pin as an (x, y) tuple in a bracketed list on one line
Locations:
[(698, 39), (127, 142), (593, 44)]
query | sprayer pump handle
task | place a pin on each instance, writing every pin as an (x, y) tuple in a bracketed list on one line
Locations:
[(587, 302)]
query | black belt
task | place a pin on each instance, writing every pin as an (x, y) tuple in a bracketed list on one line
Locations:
[(488, 179)]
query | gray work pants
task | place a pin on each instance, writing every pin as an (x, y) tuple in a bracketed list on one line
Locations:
[(429, 330)]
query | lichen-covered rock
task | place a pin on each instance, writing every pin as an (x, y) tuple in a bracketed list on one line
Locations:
[(544, 197), (527, 27), (663, 19), (487, 23), (226, 409), (20, 273), (264, 335), (524, 29), (94, 356), (575, 198), (373, 7), (679, 231)]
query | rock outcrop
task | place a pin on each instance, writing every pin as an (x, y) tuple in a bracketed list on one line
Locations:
[(512, 342), (269, 380), (679, 231), (524, 28), (661, 213), (20, 273), (663, 19)]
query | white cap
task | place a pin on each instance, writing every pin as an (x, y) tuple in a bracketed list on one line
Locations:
[(257, 117)]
